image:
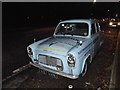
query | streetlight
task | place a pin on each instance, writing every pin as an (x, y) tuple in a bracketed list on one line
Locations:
[(94, 1), (116, 15)]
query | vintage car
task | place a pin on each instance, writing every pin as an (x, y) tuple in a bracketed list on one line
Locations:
[(69, 51)]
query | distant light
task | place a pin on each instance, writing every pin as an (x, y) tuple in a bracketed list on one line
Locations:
[(110, 23), (70, 25), (113, 19), (118, 23), (116, 15), (108, 10), (106, 18), (94, 0), (103, 20), (109, 31)]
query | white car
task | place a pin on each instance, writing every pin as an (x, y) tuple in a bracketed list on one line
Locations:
[(69, 50)]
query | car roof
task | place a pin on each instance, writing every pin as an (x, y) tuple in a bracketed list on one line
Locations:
[(80, 20)]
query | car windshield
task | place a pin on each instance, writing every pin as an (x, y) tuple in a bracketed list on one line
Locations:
[(80, 29)]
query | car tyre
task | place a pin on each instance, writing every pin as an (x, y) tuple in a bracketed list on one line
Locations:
[(85, 69)]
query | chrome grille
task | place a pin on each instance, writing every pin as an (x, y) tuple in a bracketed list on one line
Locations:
[(51, 61), (48, 60)]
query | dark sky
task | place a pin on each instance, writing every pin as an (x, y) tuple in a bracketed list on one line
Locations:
[(48, 13)]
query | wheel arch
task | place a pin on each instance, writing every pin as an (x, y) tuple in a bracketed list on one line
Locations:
[(87, 59)]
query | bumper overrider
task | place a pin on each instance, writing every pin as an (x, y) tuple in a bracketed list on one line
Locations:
[(54, 71)]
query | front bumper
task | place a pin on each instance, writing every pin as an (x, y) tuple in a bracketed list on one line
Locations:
[(55, 72)]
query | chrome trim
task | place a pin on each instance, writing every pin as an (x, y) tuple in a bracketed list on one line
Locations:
[(47, 62), (55, 72)]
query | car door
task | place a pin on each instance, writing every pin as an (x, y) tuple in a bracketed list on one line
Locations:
[(95, 37)]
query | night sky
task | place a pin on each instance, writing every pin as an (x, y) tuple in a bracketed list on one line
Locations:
[(23, 14)]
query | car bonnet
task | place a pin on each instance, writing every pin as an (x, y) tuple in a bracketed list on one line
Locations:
[(57, 45)]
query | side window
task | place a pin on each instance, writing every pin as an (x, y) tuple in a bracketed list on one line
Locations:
[(99, 26), (93, 31)]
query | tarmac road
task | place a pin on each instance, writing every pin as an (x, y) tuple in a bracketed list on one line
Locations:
[(14, 44), (14, 56)]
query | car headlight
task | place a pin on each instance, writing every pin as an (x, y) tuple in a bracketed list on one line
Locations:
[(30, 53), (110, 23), (71, 60), (118, 23)]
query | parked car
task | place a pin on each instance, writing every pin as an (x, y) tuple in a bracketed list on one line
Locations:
[(69, 51), (114, 23)]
